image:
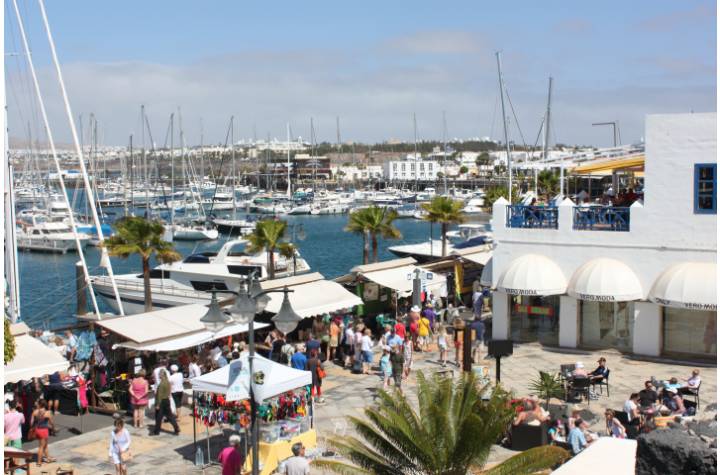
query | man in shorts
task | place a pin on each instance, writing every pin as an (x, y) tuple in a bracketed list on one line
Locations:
[(397, 362)]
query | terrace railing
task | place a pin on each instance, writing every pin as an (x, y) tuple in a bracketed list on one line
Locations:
[(531, 217), (601, 218)]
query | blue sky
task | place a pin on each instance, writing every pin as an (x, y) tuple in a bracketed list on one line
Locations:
[(371, 63)]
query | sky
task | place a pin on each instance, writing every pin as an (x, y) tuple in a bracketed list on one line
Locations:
[(373, 64)]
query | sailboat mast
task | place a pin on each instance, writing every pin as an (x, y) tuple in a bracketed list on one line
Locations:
[(289, 187), (131, 175), (504, 119), (444, 153), (232, 158), (172, 170), (547, 137), (416, 151)]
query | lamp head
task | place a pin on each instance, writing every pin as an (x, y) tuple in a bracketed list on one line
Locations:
[(255, 291), (243, 310), (215, 319), (286, 320)]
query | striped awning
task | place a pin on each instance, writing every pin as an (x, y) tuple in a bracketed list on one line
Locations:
[(608, 166)]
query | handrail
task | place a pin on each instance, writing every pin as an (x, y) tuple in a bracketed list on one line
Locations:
[(601, 218), (531, 217)]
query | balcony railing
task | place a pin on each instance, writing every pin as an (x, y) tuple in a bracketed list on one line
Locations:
[(601, 218), (532, 217)]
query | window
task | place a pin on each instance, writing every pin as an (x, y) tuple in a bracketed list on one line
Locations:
[(705, 188)]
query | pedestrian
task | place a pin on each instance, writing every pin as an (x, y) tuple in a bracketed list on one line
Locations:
[(231, 457), (162, 404), (443, 344), (477, 345), (139, 392), (41, 422), (314, 365), (385, 367), (334, 339), (397, 362), (52, 392), (430, 314), (299, 359), (358, 342), (408, 348), (71, 345), (120, 447), (366, 345), (297, 464), (194, 370), (424, 333), (13, 422), (176, 388), (349, 345), (613, 425), (414, 318)]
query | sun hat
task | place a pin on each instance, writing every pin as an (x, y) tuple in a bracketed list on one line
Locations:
[(579, 365), (174, 368), (234, 439), (387, 348), (415, 308)]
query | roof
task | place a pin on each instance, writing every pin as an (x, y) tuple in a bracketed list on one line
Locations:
[(605, 455), (401, 278), (290, 281), (315, 298), (19, 328), (383, 265), (33, 359), (158, 324)]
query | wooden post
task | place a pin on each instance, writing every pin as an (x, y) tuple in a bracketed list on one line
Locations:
[(81, 286)]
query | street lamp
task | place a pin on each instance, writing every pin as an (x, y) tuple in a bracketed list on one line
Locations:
[(251, 299)]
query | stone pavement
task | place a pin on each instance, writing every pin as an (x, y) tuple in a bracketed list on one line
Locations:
[(347, 394)]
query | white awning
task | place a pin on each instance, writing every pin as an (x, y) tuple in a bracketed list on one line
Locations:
[(691, 285), (605, 455), (533, 274), (605, 280), (169, 329), (315, 298), (278, 379), (481, 258), (400, 279), (486, 276), (188, 341), (33, 359)]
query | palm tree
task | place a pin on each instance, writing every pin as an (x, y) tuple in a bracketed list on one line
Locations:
[(267, 236), (452, 430), (445, 211), (357, 224), (371, 222), (137, 235), (548, 183), (547, 386)]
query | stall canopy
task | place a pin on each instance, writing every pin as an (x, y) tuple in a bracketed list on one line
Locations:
[(486, 276), (477, 254), (33, 359), (312, 295), (605, 280), (398, 275), (169, 329), (691, 285), (533, 274), (277, 379)]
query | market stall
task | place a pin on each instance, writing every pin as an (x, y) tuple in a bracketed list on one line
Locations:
[(33, 359), (284, 410)]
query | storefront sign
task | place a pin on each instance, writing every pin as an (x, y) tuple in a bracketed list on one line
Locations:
[(687, 305), (238, 372), (521, 291), (534, 310), (596, 298)]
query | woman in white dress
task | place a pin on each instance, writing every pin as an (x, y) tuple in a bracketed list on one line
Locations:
[(120, 447)]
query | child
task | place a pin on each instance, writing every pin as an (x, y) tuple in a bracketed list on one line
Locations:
[(408, 349), (442, 344), (385, 367)]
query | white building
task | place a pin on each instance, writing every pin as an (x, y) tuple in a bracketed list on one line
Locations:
[(639, 279), (351, 173), (401, 170)]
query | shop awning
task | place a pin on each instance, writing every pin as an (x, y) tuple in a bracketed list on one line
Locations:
[(312, 295), (33, 359), (606, 455), (278, 379), (400, 279), (691, 285), (533, 274), (168, 329), (605, 280), (608, 166), (486, 276), (478, 254)]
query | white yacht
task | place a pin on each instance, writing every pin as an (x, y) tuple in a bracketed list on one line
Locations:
[(42, 235), (194, 232), (190, 280), (234, 225)]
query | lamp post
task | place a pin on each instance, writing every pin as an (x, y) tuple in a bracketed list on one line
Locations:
[(251, 299)]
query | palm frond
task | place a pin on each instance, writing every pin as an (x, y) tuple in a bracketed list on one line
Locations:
[(531, 461)]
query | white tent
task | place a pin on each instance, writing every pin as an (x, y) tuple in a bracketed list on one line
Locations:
[(532, 274), (277, 379), (605, 279), (169, 329), (398, 275), (690, 285), (33, 359), (312, 295)]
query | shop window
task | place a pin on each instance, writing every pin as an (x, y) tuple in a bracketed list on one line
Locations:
[(606, 325), (706, 188), (534, 318), (689, 333)]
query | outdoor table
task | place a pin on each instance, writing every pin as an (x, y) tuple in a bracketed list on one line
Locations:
[(10, 454)]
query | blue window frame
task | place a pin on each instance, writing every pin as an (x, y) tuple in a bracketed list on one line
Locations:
[(706, 188)]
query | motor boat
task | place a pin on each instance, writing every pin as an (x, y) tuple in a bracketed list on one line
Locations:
[(191, 280), (194, 232), (42, 235)]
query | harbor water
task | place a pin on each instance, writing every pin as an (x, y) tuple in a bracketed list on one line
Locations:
[(47, 281)]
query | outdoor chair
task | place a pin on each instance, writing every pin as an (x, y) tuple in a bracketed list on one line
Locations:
[(565, 369), (580, 386), (631, 429), (695, 393), (603, 382), (524, 437)]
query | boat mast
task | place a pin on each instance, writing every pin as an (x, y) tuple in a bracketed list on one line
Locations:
[(444, 156), (172, 171), (11, 267), (146, 181), (547, 136), (289, 187), (504, 119), (416, 151), (232, 158), (130, 175)]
